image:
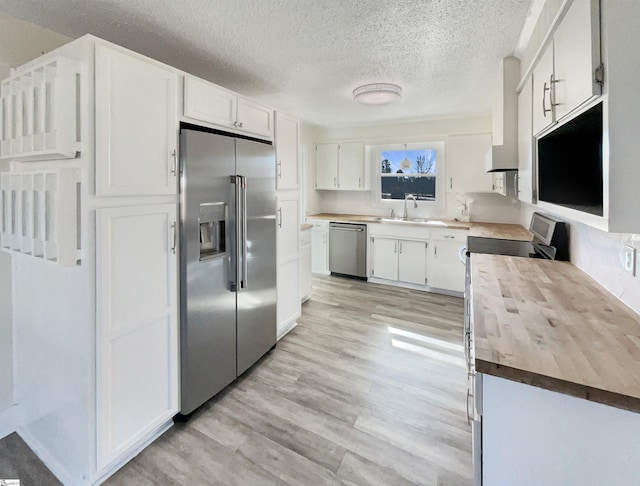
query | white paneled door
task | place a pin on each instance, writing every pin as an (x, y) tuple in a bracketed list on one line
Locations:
[(136, 125), (384, 258), (137, 324)]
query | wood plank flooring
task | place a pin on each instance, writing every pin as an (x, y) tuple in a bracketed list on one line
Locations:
[(369, 389)]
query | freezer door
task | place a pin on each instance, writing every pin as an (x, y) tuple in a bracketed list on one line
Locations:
[(207, 273), (256, 321)]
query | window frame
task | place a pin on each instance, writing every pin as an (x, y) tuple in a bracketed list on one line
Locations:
[(376, 174)]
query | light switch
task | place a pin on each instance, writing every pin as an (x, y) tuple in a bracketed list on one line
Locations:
[(630, 259)]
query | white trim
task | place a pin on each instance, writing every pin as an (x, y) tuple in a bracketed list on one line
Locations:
[(56, 467), (374, 161), (8, 421), (407, 285), (286, 328)]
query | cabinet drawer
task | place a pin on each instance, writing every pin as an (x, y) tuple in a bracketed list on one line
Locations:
[(453, 235)]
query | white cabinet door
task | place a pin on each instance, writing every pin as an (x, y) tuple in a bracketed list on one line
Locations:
[(286, 152), (136, 126), (254, 118), (137, 325), (351, 166), (327, 166), (384, 258), (412, 262), (288, 220), (320, 247), (525, 145), (446, 267), (465, 164), (209, 103), (543, 91), (288, 294), (576, 45), (305, 265)]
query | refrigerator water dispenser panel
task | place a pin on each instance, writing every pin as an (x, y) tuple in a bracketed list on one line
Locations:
[(212, 229)]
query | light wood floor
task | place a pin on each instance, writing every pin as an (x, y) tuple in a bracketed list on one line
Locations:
[(370, 388)]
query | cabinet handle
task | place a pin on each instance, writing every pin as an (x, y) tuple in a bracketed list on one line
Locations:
[(174, 154), (545, 88), (280, 169), (240, 125), (435, 251), (175, 237), (552, 92), (280, 217), (401, 247), (450, 182), (359, 182), (335, 182), (395, 247), (235, 124)]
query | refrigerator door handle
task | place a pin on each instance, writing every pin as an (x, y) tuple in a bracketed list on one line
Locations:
[(235, 265), (245, 264)]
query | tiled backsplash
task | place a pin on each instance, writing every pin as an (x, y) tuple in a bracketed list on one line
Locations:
[(600, 255)]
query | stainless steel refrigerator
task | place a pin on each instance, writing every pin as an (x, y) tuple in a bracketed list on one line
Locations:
[(227, 259)]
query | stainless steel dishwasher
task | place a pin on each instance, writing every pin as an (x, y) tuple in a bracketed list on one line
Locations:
[(348, 249)]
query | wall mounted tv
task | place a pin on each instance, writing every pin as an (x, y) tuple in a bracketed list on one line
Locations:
[(570, 163)]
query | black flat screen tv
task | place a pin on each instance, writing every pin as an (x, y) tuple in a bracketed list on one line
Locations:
[(570, 164)]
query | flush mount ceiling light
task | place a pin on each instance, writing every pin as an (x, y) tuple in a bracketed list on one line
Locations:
[(377, 94)]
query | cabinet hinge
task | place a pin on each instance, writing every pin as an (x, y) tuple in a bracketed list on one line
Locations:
[(598, 75)]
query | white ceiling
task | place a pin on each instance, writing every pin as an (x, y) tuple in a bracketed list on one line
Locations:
[(305, 57)]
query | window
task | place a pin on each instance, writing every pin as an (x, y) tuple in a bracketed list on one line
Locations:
[(410, 169)]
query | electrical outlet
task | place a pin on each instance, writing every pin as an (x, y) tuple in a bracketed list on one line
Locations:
[(630, 259)]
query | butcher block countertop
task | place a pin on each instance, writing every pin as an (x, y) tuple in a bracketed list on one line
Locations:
[(548, 324), (486, 230)]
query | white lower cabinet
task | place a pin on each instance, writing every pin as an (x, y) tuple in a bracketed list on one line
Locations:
[(412, 261), (446, 264), (400, 260), (137, 325), (319, 246), (384, 258), (305, 265)]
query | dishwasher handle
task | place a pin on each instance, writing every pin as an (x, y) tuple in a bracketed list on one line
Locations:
[(342, 228)]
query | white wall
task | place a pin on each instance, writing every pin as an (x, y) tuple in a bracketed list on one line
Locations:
[(20, 42), (485, 207)]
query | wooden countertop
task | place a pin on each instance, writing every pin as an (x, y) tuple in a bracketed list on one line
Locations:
[(304, 227), (548, 324), (485, 230)]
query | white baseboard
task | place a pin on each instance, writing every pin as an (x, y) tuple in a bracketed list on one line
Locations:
[(56, 468), (286, 328), (8, 421)]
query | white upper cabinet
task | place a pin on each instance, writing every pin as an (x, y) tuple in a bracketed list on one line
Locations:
[(503, 154), (206, 102), (341, 166), (543, 114), (568, 73), (210, 103), (286, 138), (254, 118), (327, 166), (525, 145), (576, 47), (351, 166), (465, 164), (136, 125)]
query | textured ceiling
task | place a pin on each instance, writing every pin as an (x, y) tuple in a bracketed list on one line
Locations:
[(305, 57)]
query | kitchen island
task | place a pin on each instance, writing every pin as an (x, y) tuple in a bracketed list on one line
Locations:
[(557, 385)]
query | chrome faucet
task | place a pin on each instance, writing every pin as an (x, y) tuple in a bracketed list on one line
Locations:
[(415, 204)]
